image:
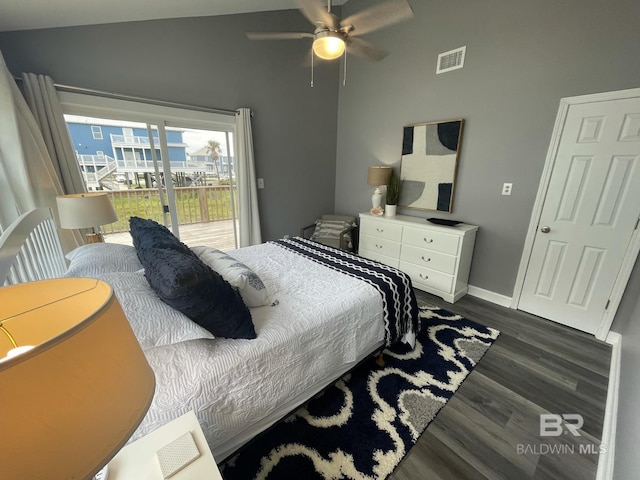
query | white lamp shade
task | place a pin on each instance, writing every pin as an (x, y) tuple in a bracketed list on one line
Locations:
[(85, 210), (74, 399), (328, 45)]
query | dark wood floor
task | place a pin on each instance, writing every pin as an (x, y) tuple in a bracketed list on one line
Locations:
[(490, 429)]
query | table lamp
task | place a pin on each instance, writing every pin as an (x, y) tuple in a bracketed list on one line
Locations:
[(74, 382), (86, 210), (378, 176)]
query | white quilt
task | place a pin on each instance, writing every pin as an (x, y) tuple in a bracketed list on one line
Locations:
[(323, 323)]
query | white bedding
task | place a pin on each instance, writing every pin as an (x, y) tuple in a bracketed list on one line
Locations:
[(323, 324)]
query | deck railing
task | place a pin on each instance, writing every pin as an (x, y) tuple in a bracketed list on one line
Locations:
[(193, 205)]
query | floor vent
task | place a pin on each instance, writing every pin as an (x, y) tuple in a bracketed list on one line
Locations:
[(451, 60)]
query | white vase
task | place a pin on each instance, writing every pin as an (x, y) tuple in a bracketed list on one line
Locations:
[(390, 210), (376, 198)]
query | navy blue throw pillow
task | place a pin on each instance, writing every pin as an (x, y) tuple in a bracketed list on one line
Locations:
[(148, 234), (185, 283)]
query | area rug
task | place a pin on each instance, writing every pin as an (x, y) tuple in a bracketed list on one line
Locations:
[(363, 425)]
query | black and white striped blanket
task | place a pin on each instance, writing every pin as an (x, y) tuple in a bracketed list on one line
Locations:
[(398, 300)]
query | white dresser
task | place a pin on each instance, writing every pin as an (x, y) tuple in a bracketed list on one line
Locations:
[(437, 258)]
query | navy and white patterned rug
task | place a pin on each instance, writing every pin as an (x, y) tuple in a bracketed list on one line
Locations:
[(363, 425)]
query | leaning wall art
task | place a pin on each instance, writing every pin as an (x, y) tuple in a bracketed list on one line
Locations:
[(429, 164)]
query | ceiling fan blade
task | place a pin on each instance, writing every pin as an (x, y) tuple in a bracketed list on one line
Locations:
[(379, 16), (316, 12), (362, 48), (278, 35)]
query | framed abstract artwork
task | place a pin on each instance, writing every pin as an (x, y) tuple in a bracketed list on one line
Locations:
[(429, 164)]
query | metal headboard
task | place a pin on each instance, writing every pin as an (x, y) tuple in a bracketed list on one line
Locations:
[(30, 249)]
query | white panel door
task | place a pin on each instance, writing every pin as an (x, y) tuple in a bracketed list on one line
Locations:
[(589, 214)]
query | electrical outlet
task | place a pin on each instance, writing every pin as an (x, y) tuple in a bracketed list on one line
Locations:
[(261, 183), (506, 188)]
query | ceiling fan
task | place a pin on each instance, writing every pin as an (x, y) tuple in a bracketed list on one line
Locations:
[(332, 36)]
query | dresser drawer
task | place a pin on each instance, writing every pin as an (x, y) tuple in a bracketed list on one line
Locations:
[(431, 239), (429, 259), (380, 246), (379, 257), (381, 229), (428, 278)]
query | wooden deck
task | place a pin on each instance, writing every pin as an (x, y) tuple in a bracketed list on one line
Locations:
[(218, 234)]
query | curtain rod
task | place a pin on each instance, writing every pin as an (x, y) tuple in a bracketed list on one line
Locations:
[(150, 101)]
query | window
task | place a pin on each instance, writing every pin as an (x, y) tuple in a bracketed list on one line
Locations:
[(96, 131)]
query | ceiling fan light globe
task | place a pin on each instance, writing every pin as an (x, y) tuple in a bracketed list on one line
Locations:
[(329, 45)]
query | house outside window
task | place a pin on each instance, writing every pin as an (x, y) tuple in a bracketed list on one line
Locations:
[(96, 131)]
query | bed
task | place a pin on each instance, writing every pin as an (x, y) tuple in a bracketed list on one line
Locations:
[(313, 322)]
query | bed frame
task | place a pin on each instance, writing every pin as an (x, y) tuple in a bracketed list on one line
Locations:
[(30, 249)]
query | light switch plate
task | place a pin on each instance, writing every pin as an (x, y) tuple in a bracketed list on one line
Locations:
[(177, 455)]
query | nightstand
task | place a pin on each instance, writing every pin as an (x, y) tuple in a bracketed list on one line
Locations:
[(138, 460)]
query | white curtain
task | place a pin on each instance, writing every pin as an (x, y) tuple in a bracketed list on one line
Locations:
[(42, 98), (247, 190), (27, 176)]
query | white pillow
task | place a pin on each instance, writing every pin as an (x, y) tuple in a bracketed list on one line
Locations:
[(96, 258), (249, 284), (154, 323)]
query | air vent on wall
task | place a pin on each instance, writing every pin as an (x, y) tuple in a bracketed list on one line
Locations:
[(451, 60)]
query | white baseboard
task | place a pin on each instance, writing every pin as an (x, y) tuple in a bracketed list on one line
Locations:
[(489, 296), (606, 458)]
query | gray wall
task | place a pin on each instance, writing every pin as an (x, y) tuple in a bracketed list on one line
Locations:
[(210, 62), (521, 59)]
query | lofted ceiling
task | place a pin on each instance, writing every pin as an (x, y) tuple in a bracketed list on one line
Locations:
[(34, 14)]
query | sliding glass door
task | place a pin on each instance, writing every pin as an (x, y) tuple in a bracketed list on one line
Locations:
[(176, 168)]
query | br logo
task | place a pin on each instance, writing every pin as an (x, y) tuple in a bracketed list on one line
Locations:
[(553, 425)]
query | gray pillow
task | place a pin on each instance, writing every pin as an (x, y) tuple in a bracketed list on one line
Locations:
[(331, 229)]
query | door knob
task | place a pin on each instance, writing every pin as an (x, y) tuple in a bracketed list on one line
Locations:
[(545, 229)]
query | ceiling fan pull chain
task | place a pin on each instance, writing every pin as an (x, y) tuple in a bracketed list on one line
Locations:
[(312, 68), (344, 78)]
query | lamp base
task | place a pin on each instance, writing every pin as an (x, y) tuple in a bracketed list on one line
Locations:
[(94, 238), (376, 198)]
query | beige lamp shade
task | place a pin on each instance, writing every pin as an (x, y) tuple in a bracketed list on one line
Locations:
[(73, 400), (85, 210), (378, 175)]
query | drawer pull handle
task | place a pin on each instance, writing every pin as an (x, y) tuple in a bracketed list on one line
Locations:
[(425, 259), (428, 241), (380, 230), (378, 246), (424, 277)]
